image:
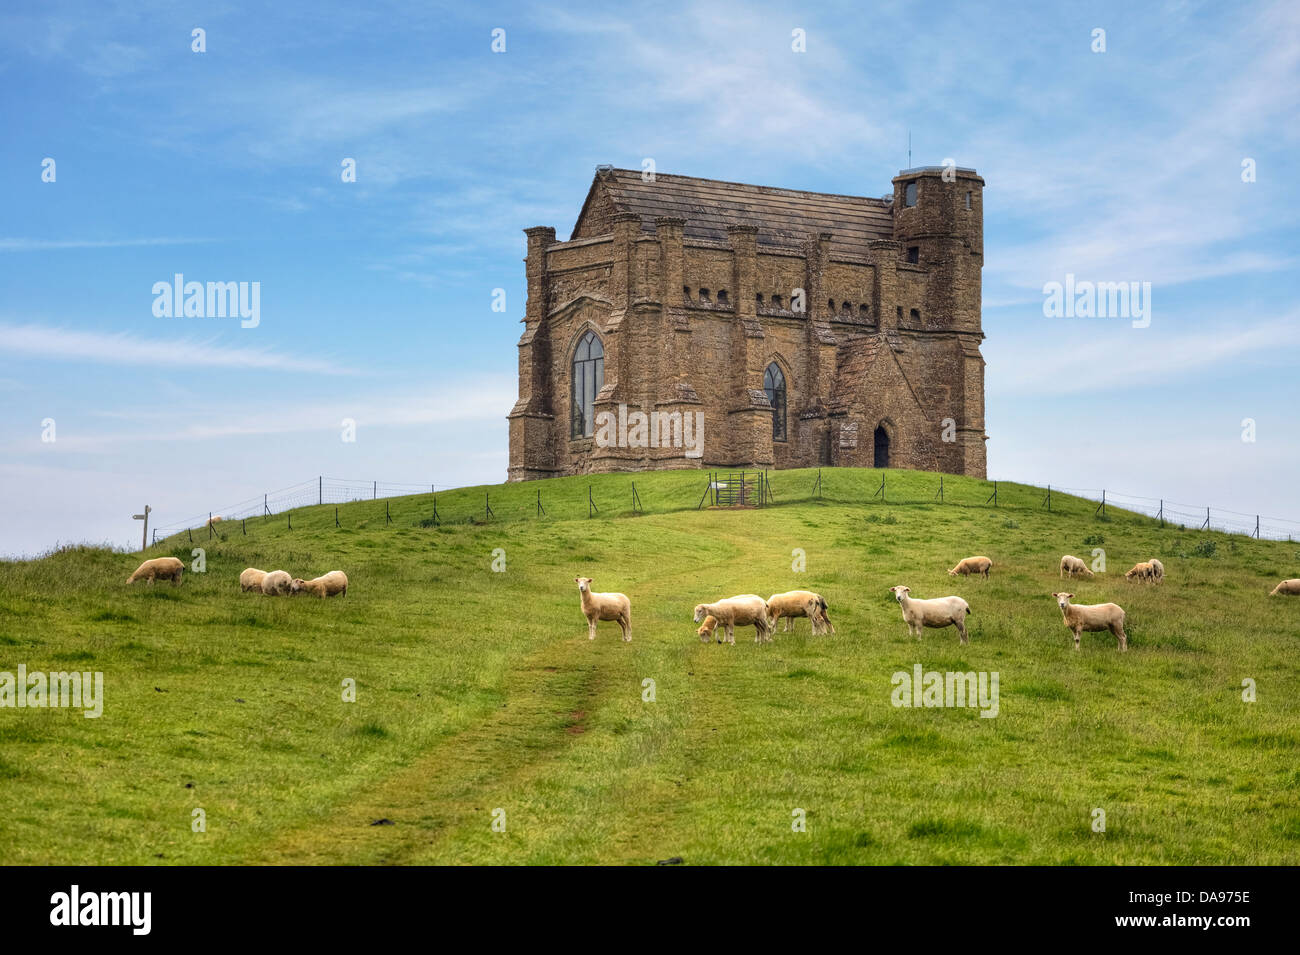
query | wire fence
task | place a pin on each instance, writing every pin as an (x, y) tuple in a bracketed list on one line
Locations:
[(908, 488)]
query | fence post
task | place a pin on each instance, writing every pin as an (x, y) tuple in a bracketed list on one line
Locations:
[(320, 489), (487, 506), (266, 511), (1162, 512), (290, 520), (374, 493), (1256, 527), (209, 525), (243, 526), (387, 517), (336, 517), (190, 534), (591, 505), (1101, 508), (541, 511), (1207, 519)]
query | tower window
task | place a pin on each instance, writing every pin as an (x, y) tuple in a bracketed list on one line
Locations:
[(722, 297), (704, 295), (588, 379), (916, 316), (909, 195), (914, 254), (774, 385), (968, 200)]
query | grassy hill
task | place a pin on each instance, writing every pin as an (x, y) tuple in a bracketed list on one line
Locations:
[(479, 690)]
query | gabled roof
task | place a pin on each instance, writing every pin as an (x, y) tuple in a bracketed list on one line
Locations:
[(784, 217)]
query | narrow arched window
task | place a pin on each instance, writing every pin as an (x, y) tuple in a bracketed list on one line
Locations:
[(774, 385), (588, 378)]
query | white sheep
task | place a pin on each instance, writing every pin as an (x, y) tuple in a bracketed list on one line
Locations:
[(741, 611), (1287, 588), (160, 568), (1093, 618), (1157, 570), (1071, 565), (277, 583), (1141, 571), (604, 607), (936, 612), (326, 585), (799, 603), (251, 579), (971, 565)]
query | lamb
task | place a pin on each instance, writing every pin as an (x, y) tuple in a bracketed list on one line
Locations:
[(251, 579), (972, 565), (1071, 565), (277, 583), (160, 568), (937, 612), (327, 585), (799, 603), (604, 607), (1157, 570), (706, 629), (1142, 571), (742, 611), (1093, 618), (1287, 588)]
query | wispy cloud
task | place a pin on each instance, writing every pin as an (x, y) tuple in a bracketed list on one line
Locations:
[(63, 344), (49, 245)]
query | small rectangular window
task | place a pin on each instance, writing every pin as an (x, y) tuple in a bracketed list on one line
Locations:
[(909, 195), (968, 200), (916, 316), (914, 255)]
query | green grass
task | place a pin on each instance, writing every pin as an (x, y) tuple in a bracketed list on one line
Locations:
[(479, 690)]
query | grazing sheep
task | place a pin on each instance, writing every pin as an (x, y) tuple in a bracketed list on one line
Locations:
[(1071, 565), (160, 568), (1157, 570), (277, 583), (741, 611), (1142, 571), (1287, 588), (706, 629), (1093, 618), (251, 579), (971, 565), (604, 607), (327, 585), (798, 603), (937, 612)]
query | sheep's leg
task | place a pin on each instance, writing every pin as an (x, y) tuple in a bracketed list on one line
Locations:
[(789, 624), (731, 633), (1118, 630), (1076, 639), (626, 624), (591, 628), (961, 629)]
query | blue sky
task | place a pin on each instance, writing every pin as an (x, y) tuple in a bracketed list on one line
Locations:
[(376, 296)]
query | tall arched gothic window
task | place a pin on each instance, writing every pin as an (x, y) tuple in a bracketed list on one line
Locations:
[(774, 385), (588, 378)]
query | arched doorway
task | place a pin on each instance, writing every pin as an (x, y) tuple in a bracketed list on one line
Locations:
[(882, 447)]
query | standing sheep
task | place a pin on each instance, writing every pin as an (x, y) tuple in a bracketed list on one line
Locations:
[(972, 565), (604, 607), (742, 611), (1157, 570), (327, 585), (798, 603), (1092, 617), (277, 583), (1142, 571), (937, 612), (1287, 588), (251, 579), (1071, 565), (160, 568)]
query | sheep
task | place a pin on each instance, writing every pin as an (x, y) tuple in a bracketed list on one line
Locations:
[(1093, 618), (604, 607), (1157, 570), (1071, 565), (937, 612), (743, 611), (706, 629), (251, 579), (277, 583), (798, 603), (1287, 588), (1142, 571), (327, 585), (972, 565), (160, 568)]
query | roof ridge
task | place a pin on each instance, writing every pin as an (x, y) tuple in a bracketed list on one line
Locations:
[(749, 185)]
